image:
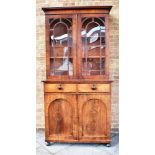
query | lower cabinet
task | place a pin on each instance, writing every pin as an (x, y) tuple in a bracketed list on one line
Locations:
[(77, 117)]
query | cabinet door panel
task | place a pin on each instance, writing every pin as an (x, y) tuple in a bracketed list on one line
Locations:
[(94, 117), (60, 110)]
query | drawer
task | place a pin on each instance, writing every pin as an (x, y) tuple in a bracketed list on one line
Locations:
[(93, 87), (60, 88)]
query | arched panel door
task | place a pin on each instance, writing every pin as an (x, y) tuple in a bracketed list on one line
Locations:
[(94, 117), (60, 114), (60, 118)]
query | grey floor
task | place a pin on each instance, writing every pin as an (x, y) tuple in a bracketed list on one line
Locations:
[(75, 149)]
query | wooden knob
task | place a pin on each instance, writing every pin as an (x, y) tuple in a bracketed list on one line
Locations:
[(60, 87), (93, 87)]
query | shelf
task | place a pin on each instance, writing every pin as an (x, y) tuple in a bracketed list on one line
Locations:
[(96, 46), (93, 70), (93, 36), (70, 29), (71, 57), (61, 70), (93, 57), (59, 57), (60, 46)]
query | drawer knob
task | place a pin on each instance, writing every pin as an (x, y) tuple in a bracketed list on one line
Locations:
[(93, 87), (60, 87)]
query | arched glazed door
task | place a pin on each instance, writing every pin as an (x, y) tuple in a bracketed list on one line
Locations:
[(61, 46), (93, 48)]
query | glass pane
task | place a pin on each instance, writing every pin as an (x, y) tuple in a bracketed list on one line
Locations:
[(70, 38), (91, 41), (62, 52), (103, 41), (52, 22), (60, 36), (67, 21), (92, 29), (94, 51), (85, 21), (62, 66), (93, 66), (100, 20)]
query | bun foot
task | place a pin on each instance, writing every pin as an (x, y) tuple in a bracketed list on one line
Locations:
[(108, 145), (48, 144)]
